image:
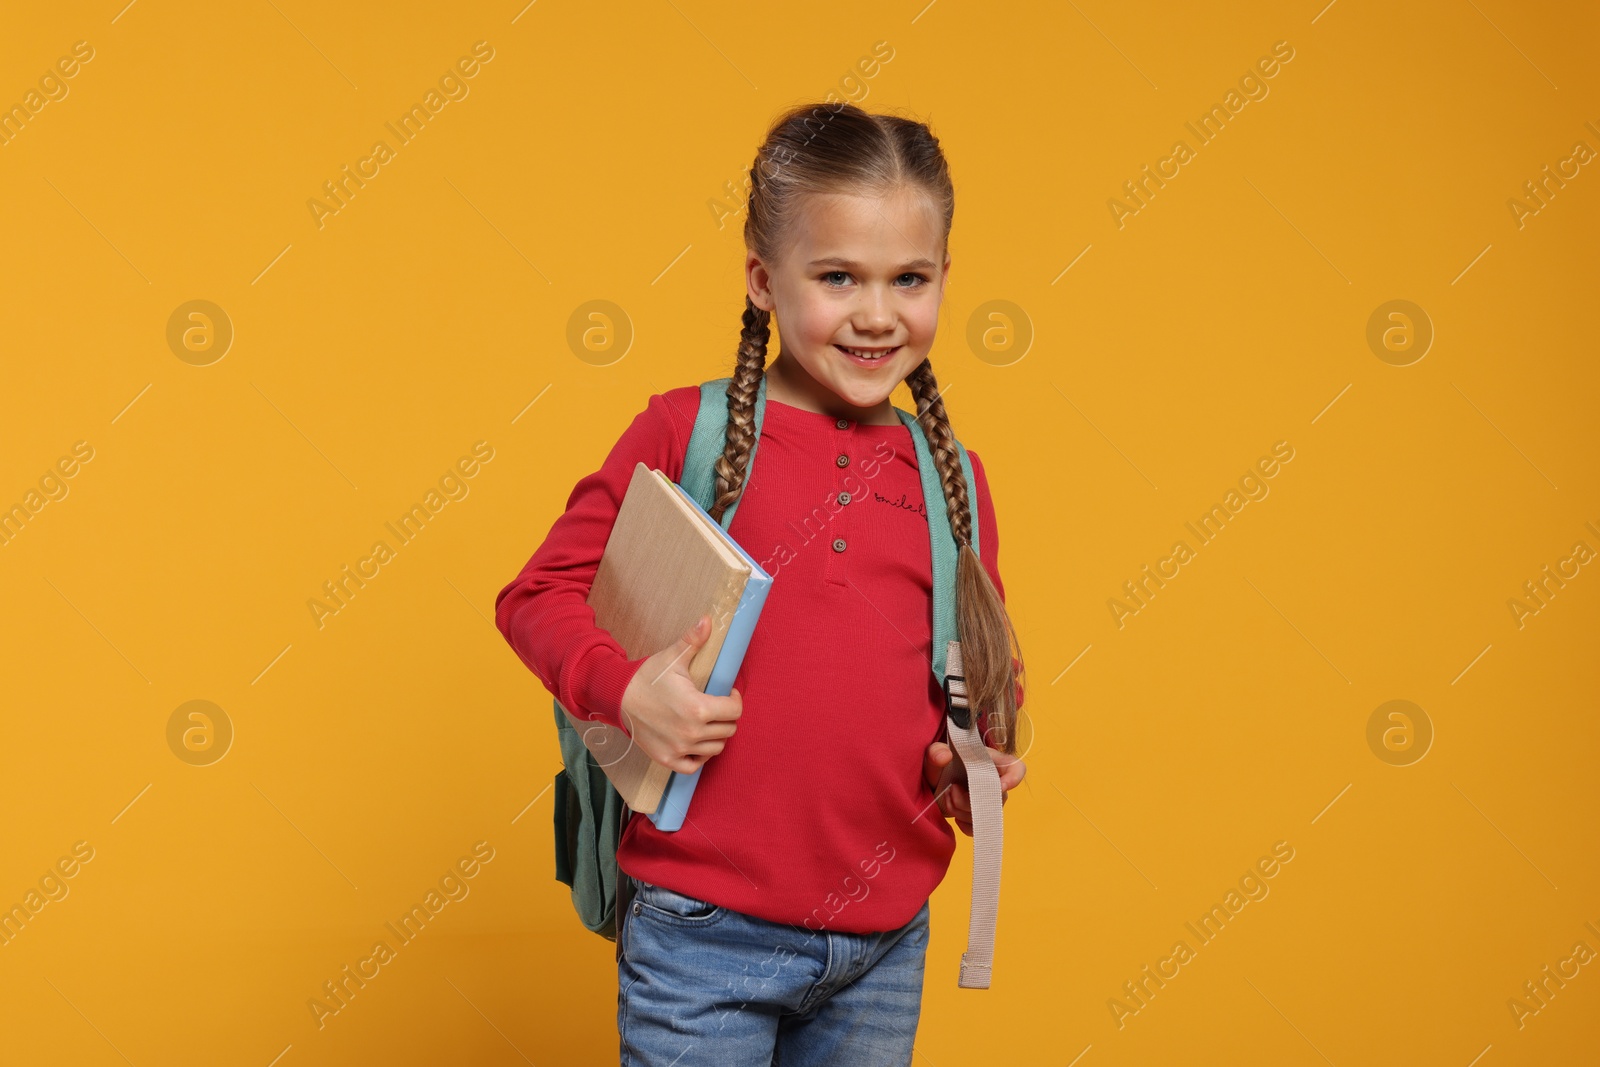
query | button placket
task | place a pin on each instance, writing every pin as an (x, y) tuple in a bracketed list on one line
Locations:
[(840, 522)]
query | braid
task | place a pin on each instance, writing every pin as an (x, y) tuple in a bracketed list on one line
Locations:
[(983, 625), (936, 425), (734, 462)]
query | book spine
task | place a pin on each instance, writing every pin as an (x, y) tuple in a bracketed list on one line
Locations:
[(674, 806)]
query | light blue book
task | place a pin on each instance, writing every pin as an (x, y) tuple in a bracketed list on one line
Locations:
[(674, 805)]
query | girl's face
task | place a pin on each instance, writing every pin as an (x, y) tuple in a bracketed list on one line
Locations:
[(862, 273)]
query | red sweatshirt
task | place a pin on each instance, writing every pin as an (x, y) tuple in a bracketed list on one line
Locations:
[(816, 811)]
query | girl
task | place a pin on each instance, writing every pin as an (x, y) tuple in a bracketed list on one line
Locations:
[(788, 920)]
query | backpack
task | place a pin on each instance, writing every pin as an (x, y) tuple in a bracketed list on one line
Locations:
[(589, 812)]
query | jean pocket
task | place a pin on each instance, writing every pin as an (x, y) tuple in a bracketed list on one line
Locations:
[(671, 906)]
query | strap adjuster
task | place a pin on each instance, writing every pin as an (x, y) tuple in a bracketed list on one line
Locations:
[(955, 689)]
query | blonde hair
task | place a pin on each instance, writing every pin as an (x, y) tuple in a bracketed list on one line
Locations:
[(824, 148)]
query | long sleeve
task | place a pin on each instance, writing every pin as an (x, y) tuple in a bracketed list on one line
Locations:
[(544, 613)]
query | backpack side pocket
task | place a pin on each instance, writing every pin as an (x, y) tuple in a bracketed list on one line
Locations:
[(567, 817)]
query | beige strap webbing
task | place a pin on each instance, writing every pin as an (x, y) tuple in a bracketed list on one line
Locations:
[(983, 786)]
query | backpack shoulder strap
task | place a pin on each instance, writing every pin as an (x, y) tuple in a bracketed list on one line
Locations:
[(944, 542), (983, 779), (708, 439)]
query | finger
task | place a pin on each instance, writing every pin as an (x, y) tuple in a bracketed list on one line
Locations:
[(960, 799), (717, 731), (692, 639), (1011, 777), (723, 709), (951, 807), (954, 771), (945, 796), (703, 750), (1003, 761)]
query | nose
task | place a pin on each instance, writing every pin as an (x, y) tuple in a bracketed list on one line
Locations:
[(873, 312)]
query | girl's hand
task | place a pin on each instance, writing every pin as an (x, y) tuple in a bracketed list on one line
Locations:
[(947, 776), (675, 723)]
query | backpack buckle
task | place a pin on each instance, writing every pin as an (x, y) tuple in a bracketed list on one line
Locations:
[(955, 689)]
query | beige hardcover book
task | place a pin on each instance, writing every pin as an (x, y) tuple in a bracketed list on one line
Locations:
[(663, 568)]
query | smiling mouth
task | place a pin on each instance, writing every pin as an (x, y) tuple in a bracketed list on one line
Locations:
[(869, 354)]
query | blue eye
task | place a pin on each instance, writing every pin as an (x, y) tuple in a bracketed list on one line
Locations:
[(917, 280)]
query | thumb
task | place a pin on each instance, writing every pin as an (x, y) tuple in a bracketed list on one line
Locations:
[(951, 770), (692, 639)]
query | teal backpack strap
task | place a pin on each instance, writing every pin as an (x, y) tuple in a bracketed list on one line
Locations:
[(944, 542), (983, 779), (708, 440)]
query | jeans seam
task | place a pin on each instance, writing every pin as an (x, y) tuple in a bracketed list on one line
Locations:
[(711, 918), (820, 984), (623, 1029), (622, 1026)]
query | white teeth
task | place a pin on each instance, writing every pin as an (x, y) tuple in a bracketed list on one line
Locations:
[(865, 355)]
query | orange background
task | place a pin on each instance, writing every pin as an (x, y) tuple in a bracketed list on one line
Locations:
[(1113, 402)]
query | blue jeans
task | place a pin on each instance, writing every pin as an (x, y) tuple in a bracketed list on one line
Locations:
[(704, 985)]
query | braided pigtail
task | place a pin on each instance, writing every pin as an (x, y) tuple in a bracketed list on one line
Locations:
[(734, 463), (991, 656)]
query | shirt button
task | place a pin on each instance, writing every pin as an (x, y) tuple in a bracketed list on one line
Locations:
[(843, 461), (838, 546), (843, 424), (844, 498)]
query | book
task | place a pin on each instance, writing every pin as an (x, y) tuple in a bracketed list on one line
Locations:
[(664, 565), (674, 806)]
